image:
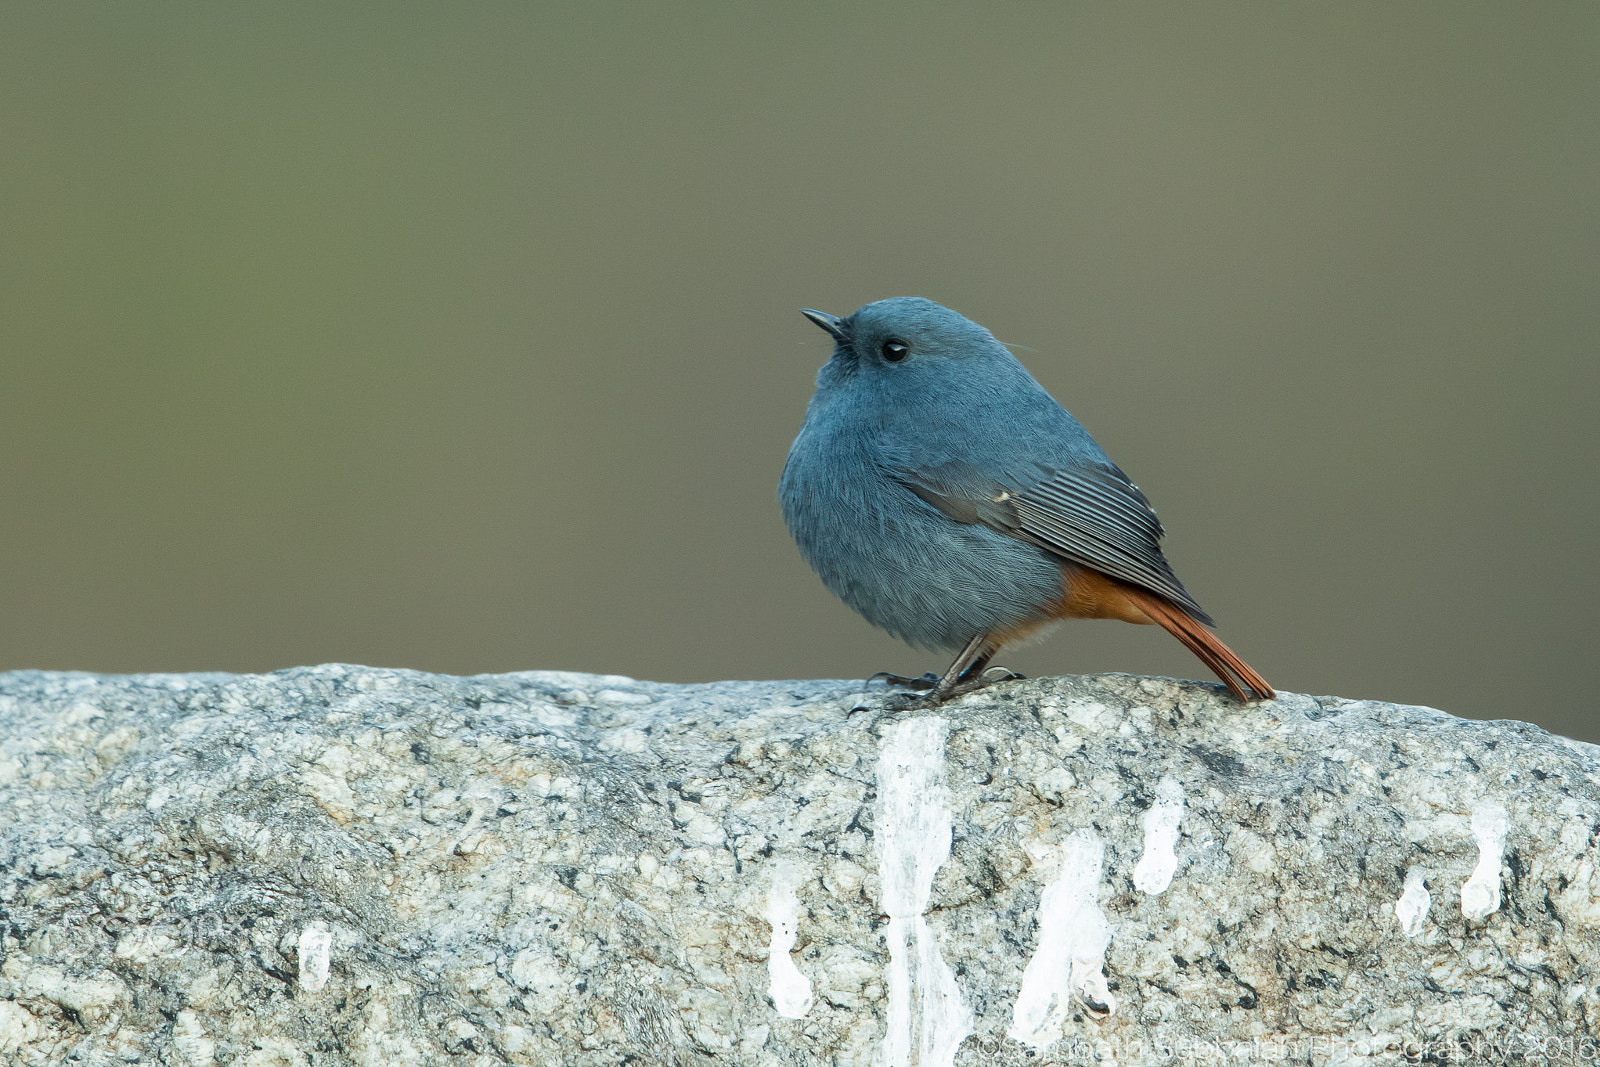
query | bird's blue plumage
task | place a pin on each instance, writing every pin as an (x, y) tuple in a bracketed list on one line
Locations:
[(937, 488)]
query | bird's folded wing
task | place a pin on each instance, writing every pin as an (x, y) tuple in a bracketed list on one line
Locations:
[(1091, 515)]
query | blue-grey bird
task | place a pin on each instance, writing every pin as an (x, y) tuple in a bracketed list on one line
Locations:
[(938, 490)]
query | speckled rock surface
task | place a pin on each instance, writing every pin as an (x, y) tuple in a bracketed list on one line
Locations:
[(341, 865)]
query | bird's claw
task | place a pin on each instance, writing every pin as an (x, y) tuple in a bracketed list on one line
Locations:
[(927, 681)]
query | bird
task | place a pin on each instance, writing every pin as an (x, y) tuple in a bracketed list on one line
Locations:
[(942, 493)]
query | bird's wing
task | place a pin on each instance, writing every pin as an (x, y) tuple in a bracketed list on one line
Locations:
[(1089, 514)]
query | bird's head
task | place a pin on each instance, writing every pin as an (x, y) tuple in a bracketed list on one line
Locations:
[(902, 333)]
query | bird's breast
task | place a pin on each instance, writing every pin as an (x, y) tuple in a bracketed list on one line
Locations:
[(898, 561)]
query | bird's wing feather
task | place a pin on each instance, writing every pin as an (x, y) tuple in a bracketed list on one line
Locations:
[(1089, 514)]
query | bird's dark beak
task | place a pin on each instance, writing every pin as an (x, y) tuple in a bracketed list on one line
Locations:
[(832, 323)]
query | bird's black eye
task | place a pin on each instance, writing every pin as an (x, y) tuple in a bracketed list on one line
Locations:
[(894, 350)]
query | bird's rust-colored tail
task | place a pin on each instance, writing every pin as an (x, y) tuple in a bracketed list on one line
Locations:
[(1199, 639)]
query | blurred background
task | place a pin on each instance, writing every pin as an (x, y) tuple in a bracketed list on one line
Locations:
[(464, 337)]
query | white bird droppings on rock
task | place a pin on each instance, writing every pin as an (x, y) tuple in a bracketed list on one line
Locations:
[(1072, 940), (790, 990), (914, 841), (315, 950), (1480, 895), (1412, 907), (1153, 873)]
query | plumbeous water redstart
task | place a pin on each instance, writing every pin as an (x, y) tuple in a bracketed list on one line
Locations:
[(938, 490)]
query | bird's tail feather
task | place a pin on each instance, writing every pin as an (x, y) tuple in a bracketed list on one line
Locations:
[(1199, 639)]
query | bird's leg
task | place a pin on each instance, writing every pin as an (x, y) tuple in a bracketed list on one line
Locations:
[(965, 674), (980, 674), (971, 682), (975, 668)]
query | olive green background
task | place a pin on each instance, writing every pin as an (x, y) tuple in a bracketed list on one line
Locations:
[(464, 337)]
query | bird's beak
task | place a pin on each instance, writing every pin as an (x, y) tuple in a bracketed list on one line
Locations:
[(832, 323)]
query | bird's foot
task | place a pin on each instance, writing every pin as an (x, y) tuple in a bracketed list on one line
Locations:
[(927, 681), (905, 701), (982, 680), (936, 696)]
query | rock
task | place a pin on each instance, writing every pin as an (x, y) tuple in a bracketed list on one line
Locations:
[(342, 865)]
